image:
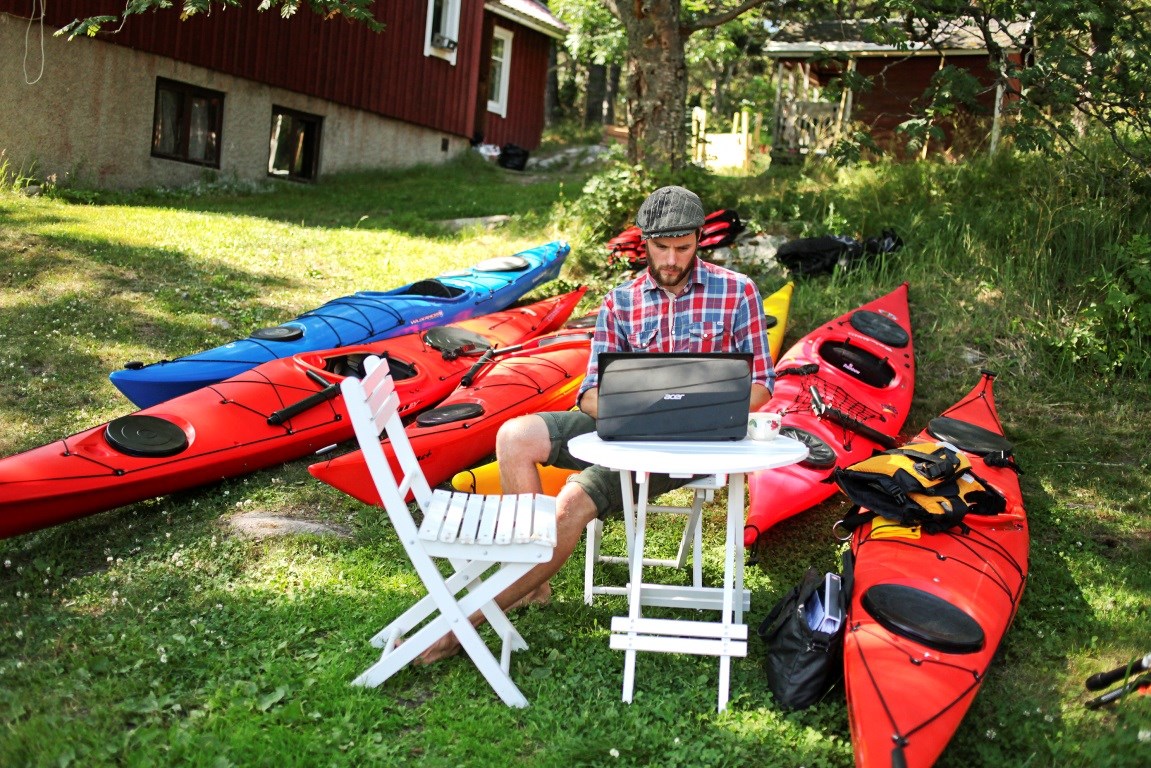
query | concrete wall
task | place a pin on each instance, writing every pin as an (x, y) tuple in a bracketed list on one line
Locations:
[(88, 118)]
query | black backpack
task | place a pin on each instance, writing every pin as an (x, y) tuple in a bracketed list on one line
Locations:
[(820, 255)]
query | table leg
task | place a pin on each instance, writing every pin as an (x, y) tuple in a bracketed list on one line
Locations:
[(732, 612), (635, 516)]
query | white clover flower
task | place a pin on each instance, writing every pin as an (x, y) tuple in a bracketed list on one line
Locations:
[(613, 752), (991, 734)]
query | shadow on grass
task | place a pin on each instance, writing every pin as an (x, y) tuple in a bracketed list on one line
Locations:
[(82, 300)]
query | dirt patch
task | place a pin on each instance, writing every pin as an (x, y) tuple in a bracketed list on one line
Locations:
[(260, 525)]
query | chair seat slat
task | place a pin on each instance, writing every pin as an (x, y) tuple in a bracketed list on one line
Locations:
[(434, 516), (450, 531), (489, 520), (469, 529), (505, 528)]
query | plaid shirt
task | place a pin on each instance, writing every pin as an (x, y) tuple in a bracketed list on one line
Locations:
[(718, 311)]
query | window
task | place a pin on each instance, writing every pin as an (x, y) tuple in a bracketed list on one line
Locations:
[(443, 29), (500, 71), (294, 147), (187, 123)]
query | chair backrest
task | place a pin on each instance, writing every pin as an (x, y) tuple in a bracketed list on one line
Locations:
[(373, 408)]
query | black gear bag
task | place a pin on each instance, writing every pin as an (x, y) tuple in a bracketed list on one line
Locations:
[(803, 663)]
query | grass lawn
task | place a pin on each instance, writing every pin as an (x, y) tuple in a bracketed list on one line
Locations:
[(156, 634)]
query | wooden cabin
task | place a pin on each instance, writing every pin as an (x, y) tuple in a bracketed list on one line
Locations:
[(248, 95), (813, 109)]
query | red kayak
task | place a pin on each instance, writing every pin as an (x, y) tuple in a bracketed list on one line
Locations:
[(280, 410), (844, 391), (461, 430), (928, 611)]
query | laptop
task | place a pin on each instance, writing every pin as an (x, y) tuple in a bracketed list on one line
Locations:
[(673, 396)]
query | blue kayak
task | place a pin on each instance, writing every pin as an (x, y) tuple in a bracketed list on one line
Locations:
[(361, 318)]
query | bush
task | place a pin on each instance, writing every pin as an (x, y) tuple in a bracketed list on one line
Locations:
[(1110, 333)]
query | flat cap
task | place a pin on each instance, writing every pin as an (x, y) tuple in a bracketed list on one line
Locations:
[(670, 212)]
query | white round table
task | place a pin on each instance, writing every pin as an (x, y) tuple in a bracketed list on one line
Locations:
[(734, 458)]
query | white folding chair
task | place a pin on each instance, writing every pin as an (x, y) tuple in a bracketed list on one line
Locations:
[(703, 491), (501, 536)]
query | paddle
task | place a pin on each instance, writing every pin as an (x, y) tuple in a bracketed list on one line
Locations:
[(327, 393), (1112, 696), (486, 358), (798, 370), (541, 341), (822, 410), (1101, 680)]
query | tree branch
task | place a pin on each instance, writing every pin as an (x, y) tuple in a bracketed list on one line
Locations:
[(722, 17)]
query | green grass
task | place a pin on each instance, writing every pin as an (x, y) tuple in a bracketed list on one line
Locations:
[(155, 635)]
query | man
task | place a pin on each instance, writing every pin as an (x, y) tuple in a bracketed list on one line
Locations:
[(680, 304)]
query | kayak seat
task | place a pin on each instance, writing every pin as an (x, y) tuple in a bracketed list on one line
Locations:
[(820, 455), (467, 548), (882, 329), (145, 436), (769, 322), (454, 341), (278, 333), (503, 264), (353, 365), (924, 618), (449, 413), (857, 363), (432, 288), (969, 437)]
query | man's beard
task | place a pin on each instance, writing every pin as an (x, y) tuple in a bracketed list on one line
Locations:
[(665, 277)]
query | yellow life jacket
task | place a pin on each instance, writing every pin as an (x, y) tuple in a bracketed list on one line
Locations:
[(929, 485)]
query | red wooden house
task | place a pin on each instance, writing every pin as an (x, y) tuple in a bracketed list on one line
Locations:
[(243, 94), (813, 110)]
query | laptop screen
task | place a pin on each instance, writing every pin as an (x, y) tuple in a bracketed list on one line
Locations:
[(673, 396)]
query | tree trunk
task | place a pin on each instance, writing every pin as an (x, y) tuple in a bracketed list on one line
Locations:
[(553, 112), (656, 84), (613, 76), (596, 91)]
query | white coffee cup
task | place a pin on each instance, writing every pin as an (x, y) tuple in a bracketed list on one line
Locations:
[(763, 425)]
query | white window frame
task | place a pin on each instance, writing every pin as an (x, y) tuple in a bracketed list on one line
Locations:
[(499, 105), (449, 30)]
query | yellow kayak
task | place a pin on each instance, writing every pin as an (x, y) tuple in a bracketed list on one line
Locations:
[(486, 478)]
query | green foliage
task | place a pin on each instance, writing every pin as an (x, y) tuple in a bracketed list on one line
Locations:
[(359, 11), (1111, 333), (608, 202), (155, 634)]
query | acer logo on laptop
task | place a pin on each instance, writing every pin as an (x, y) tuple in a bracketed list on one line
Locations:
[(673, 396)]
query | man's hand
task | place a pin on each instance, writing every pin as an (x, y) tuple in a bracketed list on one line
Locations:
[(589, 403), (759, 396)]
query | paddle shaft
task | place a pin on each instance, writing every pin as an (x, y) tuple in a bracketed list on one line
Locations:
[(1112, 696), (847, 422), (311, 401), (486, 358), (1101, 680)]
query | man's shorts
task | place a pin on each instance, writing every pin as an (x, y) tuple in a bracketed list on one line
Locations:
[(600, 483)]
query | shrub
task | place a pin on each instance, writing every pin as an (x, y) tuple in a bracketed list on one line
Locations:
[(1110, 332)]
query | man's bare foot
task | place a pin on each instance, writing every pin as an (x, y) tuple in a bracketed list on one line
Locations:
[(542, 595), (446, 647)]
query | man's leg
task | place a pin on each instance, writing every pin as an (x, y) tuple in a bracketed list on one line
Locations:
[(521, 444), (574, 510)]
